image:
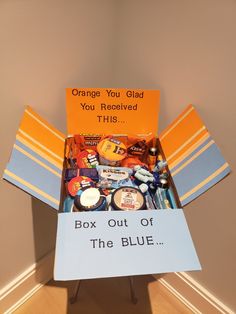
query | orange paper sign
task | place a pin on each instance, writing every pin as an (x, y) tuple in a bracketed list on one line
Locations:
[(116, 111)]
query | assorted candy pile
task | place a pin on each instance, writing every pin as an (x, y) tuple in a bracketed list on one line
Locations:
[(115, 172)]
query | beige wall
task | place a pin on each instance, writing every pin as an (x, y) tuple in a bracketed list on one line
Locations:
[(184, 48), (46, 46), (187, 49)]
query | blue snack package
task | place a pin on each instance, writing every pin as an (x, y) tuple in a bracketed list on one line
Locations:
[(92, 173), (70, 173)]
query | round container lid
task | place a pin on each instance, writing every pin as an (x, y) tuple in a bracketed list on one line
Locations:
[(128, 198), (90, 197), (111, 149)]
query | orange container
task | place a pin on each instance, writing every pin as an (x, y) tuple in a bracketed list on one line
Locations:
[(111, 152)]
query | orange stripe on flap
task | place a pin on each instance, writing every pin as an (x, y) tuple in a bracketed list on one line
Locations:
[(42, 134), (186, 145), (176, 121), (184, 132), (37, 144), (51, 129), (188, 151)]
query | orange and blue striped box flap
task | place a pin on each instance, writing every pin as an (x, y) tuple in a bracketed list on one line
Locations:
[(194, 160), (36, 161)]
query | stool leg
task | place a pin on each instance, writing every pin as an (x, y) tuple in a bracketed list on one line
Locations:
[(132, 292), (74, 297)]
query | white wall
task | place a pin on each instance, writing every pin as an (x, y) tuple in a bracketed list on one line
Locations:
[(184, 48)]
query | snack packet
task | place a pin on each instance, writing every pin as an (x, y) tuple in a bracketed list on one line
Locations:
[(114, 177)]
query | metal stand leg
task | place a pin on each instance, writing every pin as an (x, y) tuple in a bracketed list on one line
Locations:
[(73, 299), (132, 292), (134, 299)]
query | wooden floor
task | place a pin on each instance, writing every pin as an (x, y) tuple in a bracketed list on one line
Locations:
[(104, 296)]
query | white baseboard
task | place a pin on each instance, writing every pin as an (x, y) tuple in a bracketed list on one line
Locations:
[(26, 284), (192, 294), (184, 287)]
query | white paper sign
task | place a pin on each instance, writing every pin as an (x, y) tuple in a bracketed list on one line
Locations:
[(117, 243)]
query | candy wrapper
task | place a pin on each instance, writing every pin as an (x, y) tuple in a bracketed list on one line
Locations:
[(114, 177)]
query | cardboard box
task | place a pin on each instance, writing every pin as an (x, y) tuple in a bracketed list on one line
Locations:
[(108, 244)]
